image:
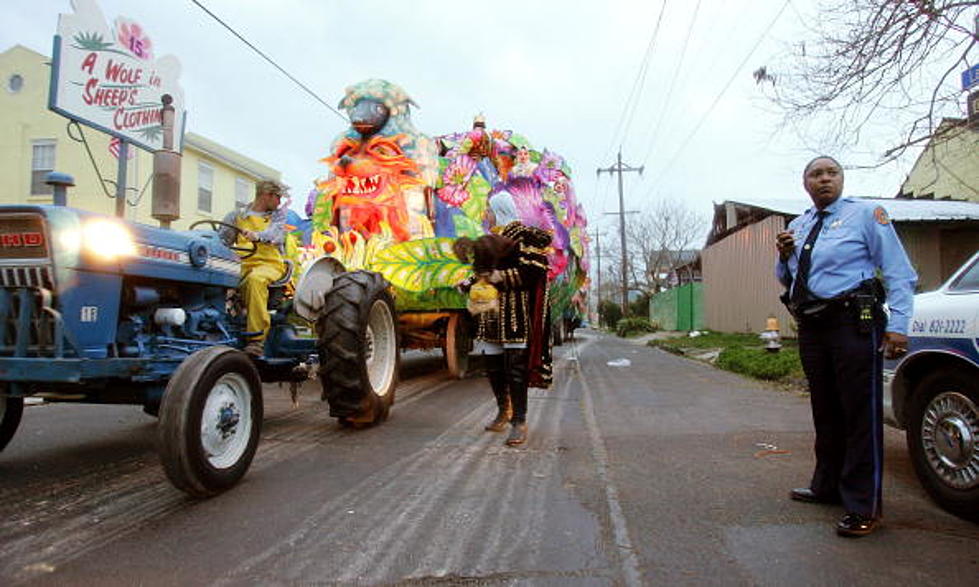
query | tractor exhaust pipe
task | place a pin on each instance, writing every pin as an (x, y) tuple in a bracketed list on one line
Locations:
[(166, 172)]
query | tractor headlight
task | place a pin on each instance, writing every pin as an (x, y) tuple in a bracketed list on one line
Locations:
[(107, 239)]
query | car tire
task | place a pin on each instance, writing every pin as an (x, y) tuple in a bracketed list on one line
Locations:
[(943, 439)]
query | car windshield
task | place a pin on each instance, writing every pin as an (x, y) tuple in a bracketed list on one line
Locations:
[(967, 280)]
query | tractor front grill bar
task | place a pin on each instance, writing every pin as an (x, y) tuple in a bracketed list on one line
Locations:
[(31, 276), (29, 327)]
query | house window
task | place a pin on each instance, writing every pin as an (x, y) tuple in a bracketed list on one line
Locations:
[(42, 163), (15, 83), (205, 187), (243, 192)]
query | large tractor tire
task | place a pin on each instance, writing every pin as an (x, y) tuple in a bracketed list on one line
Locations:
[(210, 421), (11, 409), (358, 348), (943, 438), (458, 343)]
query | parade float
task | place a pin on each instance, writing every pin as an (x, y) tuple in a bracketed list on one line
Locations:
[(394, 200)]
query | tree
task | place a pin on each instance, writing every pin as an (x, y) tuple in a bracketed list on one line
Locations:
[(894, 62), (660, 241)]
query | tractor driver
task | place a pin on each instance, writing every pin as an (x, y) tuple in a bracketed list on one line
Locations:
[(263, 223)]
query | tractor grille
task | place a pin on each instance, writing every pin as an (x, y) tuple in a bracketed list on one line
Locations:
[(38, 276), (28, 325)]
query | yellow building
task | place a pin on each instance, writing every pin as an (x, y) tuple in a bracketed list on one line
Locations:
[(35, 141), (948, 167)]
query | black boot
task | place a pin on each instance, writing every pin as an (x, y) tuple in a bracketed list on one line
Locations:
[(516, 376), (497, 378)]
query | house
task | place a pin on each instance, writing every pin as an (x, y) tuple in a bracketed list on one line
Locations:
[(740, 289), (35, 141), (948, 167)]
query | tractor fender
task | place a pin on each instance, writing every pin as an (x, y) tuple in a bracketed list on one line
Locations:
[(316, 280)]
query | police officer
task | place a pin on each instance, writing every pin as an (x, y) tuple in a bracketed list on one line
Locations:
[(829, 258)]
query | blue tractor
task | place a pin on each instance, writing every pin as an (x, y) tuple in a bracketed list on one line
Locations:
[(97, 310)]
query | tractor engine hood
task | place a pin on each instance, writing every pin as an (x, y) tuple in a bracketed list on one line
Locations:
[(80, 240)]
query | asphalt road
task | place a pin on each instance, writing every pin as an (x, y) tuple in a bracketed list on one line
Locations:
[(662, 471)]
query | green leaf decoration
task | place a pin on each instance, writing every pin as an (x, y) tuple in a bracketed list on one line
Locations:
[(478, 189), (91, 42), (322, 212), (566, 170), (519, 141), (419, 265), (151, 133), (466, 226)]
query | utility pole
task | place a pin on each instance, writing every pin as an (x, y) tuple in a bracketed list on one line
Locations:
[(620, 168), (598, 257)]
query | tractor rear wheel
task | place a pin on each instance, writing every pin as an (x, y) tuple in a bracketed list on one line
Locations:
[(11, 409), (210, 421), (358, 348)]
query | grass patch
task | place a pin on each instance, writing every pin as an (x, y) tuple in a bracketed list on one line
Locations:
[(742, 353), (761, 364), (629, 327)]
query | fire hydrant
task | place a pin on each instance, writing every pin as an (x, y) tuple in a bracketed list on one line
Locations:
[(771, 336)]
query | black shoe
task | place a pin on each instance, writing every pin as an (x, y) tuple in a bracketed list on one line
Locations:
[(518, 434), (855, 525), (805, 494)]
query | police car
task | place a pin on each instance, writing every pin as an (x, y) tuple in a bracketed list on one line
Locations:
[(933, 392)]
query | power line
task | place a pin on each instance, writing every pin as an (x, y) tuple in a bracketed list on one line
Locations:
[(269, 59), (669, 92), (638, 83), (717, 99)]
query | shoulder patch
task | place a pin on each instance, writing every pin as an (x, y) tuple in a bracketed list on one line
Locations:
[(881, 215)]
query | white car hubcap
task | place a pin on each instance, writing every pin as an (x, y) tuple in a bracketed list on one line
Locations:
[(950, 437)]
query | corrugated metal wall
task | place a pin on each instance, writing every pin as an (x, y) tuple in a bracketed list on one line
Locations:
[(740, 289)]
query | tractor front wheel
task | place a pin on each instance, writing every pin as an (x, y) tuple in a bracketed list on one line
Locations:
[(210, 421), (11, 409), (358, 348)]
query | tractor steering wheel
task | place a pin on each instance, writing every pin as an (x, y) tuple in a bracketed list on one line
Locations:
[(216, 225)]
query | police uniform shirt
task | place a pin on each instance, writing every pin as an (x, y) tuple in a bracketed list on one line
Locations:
[(857, 238)]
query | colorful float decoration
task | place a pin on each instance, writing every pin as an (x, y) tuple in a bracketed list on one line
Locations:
[(394, 200)]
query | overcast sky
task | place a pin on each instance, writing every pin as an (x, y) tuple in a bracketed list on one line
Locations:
[(559, 72)]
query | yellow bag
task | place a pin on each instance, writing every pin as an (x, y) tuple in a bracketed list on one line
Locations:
[(483, 297)]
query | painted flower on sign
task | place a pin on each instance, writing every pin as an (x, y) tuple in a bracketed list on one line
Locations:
[(132, 38), (455, 179)]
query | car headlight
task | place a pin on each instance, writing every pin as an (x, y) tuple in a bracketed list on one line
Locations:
[(107, 239)]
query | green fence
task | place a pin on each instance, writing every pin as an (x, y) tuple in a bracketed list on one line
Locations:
[(680, 308)]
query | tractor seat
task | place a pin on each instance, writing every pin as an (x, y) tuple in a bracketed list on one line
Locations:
[(277, 289)]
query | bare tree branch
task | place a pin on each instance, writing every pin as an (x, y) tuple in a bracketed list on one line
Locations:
[(867, 57)]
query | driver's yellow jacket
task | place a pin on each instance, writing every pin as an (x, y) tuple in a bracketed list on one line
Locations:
[(258, 270)]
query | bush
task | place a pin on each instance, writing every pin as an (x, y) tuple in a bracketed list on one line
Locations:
[(609, 313), (633, 326), (639, 306), (760, 363)]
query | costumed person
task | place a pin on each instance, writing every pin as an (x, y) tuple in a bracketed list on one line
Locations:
[(262, 222), (513, 333), (524, 167), (834, 294)]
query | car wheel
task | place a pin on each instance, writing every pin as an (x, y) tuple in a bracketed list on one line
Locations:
[(943, 438)]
